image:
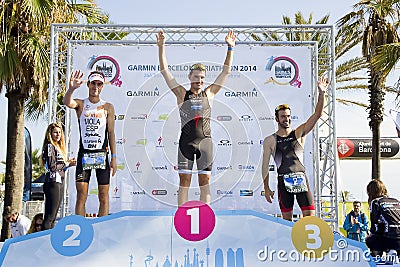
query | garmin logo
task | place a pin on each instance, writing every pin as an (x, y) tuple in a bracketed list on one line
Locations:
[(249, 143), (224, 142), (224, 118), (143, 93), (252, 93)]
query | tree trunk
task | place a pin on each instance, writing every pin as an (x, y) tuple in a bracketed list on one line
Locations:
[(377, 96), (14, 180)]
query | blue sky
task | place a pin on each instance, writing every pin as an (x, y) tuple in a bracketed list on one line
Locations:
[(351, 121)]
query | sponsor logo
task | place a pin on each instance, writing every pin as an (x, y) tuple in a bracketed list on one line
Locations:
[(362, 147), (139, 117), (249, 94), (137, 167), (345, 148), (159, 141), (140, 67), (224, 118), (282, 70), (245, 118), (224, 168), (140, 93), (224, 192), (266, 118), (246, 192), (119, 117), (161, 118), (141, 142), (136, 193), (271, 168), (160, 168), (159, 192), (121, 141), (246, 143), (224, 142), (246, 167), (108, 66)]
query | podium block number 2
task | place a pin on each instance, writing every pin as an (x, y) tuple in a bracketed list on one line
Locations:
[(72, 236)]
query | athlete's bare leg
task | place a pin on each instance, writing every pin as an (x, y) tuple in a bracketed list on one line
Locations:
[(308, 213), (81, 197), (184, 184), (204, 183), (288, 215), (104, 206)]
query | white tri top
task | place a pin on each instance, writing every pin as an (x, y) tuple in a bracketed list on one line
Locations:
[(93, 125)]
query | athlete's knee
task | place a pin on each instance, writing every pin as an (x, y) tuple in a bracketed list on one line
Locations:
[(204, 180), (185, 179)]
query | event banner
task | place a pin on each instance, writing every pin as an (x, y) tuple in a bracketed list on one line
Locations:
[(147, 122), (361, 148)]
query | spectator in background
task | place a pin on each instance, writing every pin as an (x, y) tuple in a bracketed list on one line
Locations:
[(54, 158), (356, 223), (385, 219), (36, 225), (19, 223)]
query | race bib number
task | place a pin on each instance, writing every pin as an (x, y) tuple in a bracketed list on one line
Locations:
[(295, 182), (94, 160)]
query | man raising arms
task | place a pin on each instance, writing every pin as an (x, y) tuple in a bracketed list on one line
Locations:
[(287, 146), (195, 110)]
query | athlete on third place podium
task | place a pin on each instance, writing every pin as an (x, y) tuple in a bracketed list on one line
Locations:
[(287, 147)]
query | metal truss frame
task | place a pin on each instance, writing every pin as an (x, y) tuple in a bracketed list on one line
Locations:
[(325, 156)]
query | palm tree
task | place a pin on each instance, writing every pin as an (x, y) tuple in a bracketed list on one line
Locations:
[(37, 168), (371, 20), (24, 69)]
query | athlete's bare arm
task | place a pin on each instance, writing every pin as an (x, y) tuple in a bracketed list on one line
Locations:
[(268, 150), (306, 127), (214, 88), (111, 135), (75, 82), (176, 88)]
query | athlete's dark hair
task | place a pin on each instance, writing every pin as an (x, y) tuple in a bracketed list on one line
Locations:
[(281, 107)]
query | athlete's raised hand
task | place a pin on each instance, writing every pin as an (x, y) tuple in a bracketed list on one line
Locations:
[(323, 84), (230, 39), (75, 80), (160, 38)]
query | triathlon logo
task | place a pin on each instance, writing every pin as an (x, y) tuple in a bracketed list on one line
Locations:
[(108, 66), (282, 70)]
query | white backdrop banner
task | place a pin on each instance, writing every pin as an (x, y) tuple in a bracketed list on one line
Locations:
[(148, 124)]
